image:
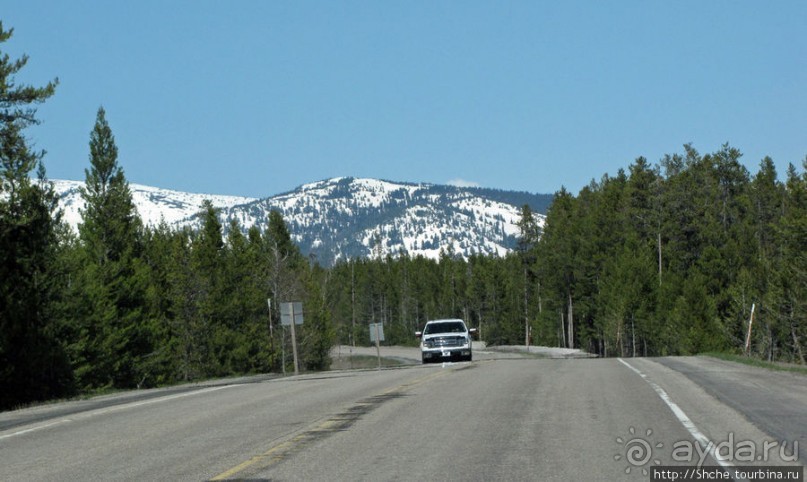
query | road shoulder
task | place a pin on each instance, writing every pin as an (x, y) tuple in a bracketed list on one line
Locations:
[(720, 407)]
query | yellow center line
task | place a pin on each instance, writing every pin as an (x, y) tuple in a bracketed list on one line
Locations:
[(278, 452)]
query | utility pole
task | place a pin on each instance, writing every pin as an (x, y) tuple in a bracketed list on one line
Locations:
[(271, 330), (526, 313), (294, 342), (352, 306)]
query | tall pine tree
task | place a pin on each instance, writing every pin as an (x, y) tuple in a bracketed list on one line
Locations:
[(32, 364), (113, 337)]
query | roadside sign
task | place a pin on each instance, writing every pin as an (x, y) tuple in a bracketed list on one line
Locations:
[(289, 311), (376, 332), (377, 336)]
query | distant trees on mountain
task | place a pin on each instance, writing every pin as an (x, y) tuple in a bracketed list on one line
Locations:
[(667, 259), (339, 218)]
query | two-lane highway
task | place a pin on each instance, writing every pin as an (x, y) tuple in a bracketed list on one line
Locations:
[(493, 419)]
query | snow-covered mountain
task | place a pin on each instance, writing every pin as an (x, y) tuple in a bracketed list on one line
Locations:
[(347, 217), (153, 204)]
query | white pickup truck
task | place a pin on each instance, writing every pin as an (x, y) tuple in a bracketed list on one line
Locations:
[(445, 340)]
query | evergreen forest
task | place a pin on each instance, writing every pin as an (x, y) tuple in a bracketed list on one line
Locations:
[(673, 258)]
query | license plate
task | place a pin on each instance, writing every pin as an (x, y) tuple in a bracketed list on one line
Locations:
[(446, 353)]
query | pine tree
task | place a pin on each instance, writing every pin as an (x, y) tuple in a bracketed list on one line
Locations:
[(279, 236), (788, 326), (162, 367), (111, 226), (528, 230), (317, 330), (187, 331), (557, 267), (32, 365), (207, 264), (114, 337)]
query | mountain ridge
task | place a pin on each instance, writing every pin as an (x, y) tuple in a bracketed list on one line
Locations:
[(346, 217)]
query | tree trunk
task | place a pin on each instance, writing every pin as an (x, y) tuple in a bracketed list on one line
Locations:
[(796, 344), (659, 258), (526, 313), (571, 323), (562, 333)]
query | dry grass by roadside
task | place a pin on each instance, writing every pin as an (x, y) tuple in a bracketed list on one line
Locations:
[(755, 362)]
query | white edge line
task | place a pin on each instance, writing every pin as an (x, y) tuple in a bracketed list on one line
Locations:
[(115, 408), (125, 406), (707, 444), (34, 429)]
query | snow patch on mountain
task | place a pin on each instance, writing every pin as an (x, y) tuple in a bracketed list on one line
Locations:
[(347, 217), (153, 204)]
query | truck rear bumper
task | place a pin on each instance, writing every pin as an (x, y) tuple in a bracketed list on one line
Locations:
[(447, 354)]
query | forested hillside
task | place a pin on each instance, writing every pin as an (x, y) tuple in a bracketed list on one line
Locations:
[(663, 259), (671, 259)]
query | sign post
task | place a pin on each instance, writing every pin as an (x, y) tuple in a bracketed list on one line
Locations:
[(272, 333), (292, 314), (377, 335)]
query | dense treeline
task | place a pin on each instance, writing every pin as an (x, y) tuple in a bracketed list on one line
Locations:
[(671, 259), (154, 306), (659, 260), (404, 292), (666, 259), (120, 305)]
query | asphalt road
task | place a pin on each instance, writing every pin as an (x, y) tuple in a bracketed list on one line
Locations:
[(499, 418)]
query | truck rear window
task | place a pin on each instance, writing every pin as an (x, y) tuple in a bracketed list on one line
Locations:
[(444, 327)]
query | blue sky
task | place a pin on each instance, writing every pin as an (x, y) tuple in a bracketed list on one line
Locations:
[(256, 97)]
